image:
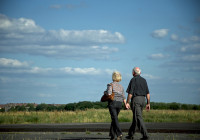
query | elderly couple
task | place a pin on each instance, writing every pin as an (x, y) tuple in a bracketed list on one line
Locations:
[(137, 91)]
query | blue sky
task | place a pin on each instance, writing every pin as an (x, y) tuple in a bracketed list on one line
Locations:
[(64, 51)]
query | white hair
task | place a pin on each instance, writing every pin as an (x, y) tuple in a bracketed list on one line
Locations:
[(137, 70)]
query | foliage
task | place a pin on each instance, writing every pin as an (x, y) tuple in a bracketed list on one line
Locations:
[(70, 107), (41, 107), (84, 105), (174, 106), (30, 107)]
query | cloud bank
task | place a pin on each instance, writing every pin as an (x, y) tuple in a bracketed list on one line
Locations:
[(24, 68), (158, 56), (160, 33), (13, 63), (24, 36)]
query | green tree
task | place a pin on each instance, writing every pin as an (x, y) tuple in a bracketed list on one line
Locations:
[(51, 108), (174, 106), (70, 107), (184, 107), (41, 107), (12, 109), (84, 105), (195, 107), (2, 110), (20, 108), (61, 108), (30, 107)]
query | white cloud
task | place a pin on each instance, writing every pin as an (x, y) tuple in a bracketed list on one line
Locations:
[(24, 36), (18, 69), (4, 62), (110, 71), (161, 33), (158, 56), (190, 49), (195, 38), (149, 76), (21, 25), (184, 40), (192, 68), (184, 81), (38, 70), (193, 58), (145, 75), (174, 37), (43, 95), (69, 6), (56, 6), (84, 71), (85, 36), (192, 39), (64, 51)]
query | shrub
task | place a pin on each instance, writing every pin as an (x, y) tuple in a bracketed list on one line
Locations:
[(174, 106), (70, 107)]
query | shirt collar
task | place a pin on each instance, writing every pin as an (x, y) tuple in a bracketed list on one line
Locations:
[(137, 76)]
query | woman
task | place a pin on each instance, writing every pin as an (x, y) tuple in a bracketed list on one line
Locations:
[(116, 104)]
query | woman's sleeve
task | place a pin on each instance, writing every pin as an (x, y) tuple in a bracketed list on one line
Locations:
[(123, 94), (109, 89)]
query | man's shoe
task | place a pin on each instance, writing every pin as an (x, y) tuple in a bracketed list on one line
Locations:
[(129, 137), (145, 138), (112, 138)]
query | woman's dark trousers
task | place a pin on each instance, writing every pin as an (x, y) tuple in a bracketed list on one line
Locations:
[(137, 105), (114, 108)]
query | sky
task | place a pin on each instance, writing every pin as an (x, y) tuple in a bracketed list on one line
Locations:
[(65, 51)]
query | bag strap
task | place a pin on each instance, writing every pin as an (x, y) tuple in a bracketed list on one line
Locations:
[(112, 88)]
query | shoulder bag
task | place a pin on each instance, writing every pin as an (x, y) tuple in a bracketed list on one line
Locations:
[(106, 97)]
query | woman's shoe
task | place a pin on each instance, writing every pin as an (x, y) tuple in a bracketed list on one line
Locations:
[(120, 137)]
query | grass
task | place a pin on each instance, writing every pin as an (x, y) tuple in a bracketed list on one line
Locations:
[(187, 116), (97, 115)]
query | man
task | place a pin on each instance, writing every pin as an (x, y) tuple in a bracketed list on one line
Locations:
[(137, 91)]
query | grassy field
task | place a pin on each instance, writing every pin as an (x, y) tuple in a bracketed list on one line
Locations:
[(97, 115)]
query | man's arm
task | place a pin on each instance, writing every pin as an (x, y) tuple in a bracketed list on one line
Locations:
[(128, 100), (148, 102)]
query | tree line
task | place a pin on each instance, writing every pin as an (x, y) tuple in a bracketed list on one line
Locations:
[(84, 105)]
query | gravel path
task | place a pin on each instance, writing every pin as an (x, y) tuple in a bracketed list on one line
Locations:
[(89, 136), (96, 131), (101, 127)]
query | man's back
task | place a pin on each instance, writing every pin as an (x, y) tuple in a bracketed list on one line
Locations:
[(138, 86)]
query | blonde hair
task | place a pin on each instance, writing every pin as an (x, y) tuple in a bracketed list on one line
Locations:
[(116, 76)]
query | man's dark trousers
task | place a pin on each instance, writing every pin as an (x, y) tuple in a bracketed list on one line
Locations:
[(137, 104)]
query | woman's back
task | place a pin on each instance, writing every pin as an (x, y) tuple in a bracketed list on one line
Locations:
[(118, 89)]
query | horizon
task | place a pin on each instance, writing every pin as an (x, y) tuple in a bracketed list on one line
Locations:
[(65, 51), (92, 102)]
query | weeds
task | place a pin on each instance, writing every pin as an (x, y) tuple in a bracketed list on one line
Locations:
[(97, 115)]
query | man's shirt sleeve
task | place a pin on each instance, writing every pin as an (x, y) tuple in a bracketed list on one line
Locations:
[(130, 89), (147, 90)]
